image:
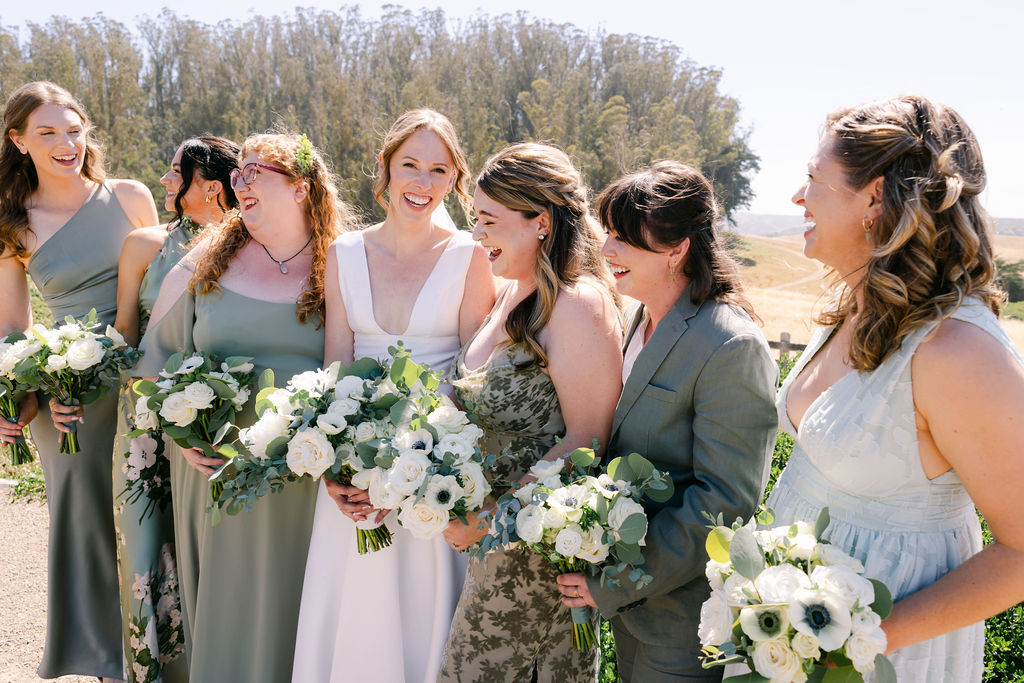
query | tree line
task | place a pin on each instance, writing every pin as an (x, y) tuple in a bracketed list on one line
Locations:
[(614, 102)]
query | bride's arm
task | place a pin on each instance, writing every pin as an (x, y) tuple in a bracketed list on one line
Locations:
[(970, 391)]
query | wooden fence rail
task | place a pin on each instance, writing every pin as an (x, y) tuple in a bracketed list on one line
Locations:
[(784, 346)]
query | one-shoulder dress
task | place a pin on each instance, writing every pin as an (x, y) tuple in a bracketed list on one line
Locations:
[(383, 616), (857, 453), (75, 270), (240, 581)]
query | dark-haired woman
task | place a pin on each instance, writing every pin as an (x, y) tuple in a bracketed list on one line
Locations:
[(906, 405), (64, 223), (198, 192), (697, 400)]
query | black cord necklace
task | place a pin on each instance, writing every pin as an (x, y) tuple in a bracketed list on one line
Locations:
[(280, 263)]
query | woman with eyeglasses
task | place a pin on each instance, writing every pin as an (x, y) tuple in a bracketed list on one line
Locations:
[(253, 286), (63, 223)]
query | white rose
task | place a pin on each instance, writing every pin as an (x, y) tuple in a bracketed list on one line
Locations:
[(736, 589), (144, 417), (474, 485), (716, 572), (774, 659), (447, 419), (115, 336), (177, 409), (199, 395), (408, 471), (69, 331), (350, 386), (554, 518), (457, 445), (240, 397), (806, 646), (544, 469), (845, 584), (593, 550), (716, 621), (421, 520), (365, 431), (309, 452), (529, 524), (862, 648), (334, 420), (828, 554), (282, 401), (142, 451), (778, 583), (82, 354), (865, 620), (365, 479), (189, 364), (315, 382), (383, 497), (270, 426), (569, 541), (621, 509), (472, 433), (525, 493), (55, 363)]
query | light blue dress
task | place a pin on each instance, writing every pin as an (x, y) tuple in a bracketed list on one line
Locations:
[(857, 452)]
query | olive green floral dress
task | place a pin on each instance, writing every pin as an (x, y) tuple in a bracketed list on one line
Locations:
[(510, 624), (151, 620)]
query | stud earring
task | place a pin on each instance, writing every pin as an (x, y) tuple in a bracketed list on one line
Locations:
[(541, 236)]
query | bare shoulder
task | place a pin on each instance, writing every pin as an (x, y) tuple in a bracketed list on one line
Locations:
[(960, 351), (136, 200), (584, 304), (142, 244)]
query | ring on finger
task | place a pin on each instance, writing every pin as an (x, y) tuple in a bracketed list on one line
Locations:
[(577, 592)]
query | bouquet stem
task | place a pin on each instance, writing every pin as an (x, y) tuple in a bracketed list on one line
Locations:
[(18, 451), (584, 638), (69, 440), (372, 539)]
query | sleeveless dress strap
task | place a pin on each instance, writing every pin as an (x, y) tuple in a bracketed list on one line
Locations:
[(354, 280)]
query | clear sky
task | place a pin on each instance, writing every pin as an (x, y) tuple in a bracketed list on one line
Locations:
[(787, 62)]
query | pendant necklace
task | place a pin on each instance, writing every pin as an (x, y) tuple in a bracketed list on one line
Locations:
[(280, 263)]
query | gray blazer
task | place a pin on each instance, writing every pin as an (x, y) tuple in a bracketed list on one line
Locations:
[(699, 403)]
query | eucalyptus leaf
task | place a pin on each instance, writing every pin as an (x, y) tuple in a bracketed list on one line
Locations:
[(842, 674), (364, 368), (717, 544), (633, 528), (145, 387), (619, 469), (752, 677), (885, 672), (882, 604), (266, 379), (641, 466), (220, 388), (746, 555), (821, 524), (628, 553), (663, 493), (402, 411), (173, 363), (278, 447), (176, 432)]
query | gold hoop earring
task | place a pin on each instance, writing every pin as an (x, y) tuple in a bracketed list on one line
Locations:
[(867, 225)]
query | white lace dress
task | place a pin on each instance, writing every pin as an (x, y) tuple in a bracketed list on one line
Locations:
[(384, 616), (857, 453)]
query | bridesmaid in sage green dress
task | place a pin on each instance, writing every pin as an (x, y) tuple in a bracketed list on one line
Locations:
[(64, 224), (253, 286), (198, 192)]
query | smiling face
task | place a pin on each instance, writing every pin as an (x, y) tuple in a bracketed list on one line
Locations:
[(54, 137), (509, 237), (421, 173), (172, 182), (833, 213), (270, 199), (640, 273)]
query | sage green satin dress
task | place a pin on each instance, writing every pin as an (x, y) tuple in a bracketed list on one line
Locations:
[(241, 581), (151, 622), (75, 270)]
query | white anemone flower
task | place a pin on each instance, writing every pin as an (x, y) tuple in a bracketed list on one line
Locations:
[(821, 614), (763, 622)]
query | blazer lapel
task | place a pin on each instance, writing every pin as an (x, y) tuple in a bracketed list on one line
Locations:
[(665, 336)]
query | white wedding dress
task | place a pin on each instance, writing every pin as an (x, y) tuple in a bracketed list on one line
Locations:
[(384, 616)]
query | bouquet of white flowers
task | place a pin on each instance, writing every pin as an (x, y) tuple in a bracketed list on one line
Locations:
[(73, 364), (13, 348), (580, 522), (790, 605), (195, 400)]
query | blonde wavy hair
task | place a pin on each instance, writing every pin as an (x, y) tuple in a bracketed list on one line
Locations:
[(932, 242), (400, 131), (18, 177), (326, 214), (533, 178)]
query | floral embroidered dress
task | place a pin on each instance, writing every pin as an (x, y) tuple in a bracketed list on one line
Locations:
[(151, 621), (857, 452), (510, 624)]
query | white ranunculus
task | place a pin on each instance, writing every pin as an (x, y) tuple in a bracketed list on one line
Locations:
[(594, 550), (865, 620), (801, 546), (165, 385), (774, 659), (862, 648), (334, 420), (764, 622), (569, 540), (716, 620), (472, 433), (828, 555), (350, 386), (525, 493), (309, 452), (115, 337), (144, 417), (384, 388), (544, 469), (23, 348), (419, 440), (621, 509), (7, 359), (820, 613), (365, 431), (55, 363), (408, 471), (716, 572), (315, 382), (82, 354), (736, 590), (281, 399), (383, 496), (199, 395), (270, 426), (474, 484), (845, 584), (778, 583), (421, 520), (177, 409), (446, 419), (529, 524), (457, 445), (805, 646), (443, 492), (51, 338), (554, 518), (189, 364), (142, 451), (240, 397), (69, 331)]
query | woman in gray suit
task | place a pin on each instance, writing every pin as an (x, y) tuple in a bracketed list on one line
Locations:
[(697, 400)]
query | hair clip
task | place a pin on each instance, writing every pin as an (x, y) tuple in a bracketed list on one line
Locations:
[(304, 154)]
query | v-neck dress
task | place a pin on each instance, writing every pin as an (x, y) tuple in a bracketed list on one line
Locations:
[(857, 453), (75, 270), (383, 616)]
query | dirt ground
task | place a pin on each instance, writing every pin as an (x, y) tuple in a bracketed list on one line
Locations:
[(23, 530)]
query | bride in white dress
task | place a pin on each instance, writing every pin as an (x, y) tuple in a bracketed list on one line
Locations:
[(384, 616)]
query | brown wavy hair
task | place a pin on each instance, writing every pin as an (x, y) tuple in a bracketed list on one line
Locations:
[(326, 214), (18, 177), (659, 207), (532, 178), (400, 131), (933, 241)]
